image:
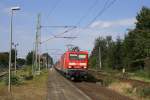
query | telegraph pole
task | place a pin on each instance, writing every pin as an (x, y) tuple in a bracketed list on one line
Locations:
[(100, 62), (33, 60), (36, 51), (47, 61), (38, 43), (11, 31), (15, 56), (36, 48)]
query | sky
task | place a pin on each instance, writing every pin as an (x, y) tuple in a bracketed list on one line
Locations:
[(114, 21)]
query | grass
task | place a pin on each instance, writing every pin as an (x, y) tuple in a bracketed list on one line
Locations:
[(137, 75), (141, 75), (34, 89), (136, 93)]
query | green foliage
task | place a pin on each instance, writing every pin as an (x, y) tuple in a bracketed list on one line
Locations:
[(29, 77), (13, 55), (29, 58), (21, 61), (137, 42), (129, 90), (26, 73), (139, 91), (128, 52), (15, 80), (143, 19), (92, 62), (48, 58), (142, 73), (108, 48), (144, 92), (108, 81), (4, 58)]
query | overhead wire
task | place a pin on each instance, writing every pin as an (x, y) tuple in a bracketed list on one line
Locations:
[(50, 12), (59, 34), (106, 6), (54, 7), (87, 13)]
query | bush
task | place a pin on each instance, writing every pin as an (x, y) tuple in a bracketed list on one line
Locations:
[(15, 80), (142, 73), (107, 81), (144, 92), (29, 77)]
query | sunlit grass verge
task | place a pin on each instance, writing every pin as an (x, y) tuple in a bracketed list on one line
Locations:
[(134, 92), (141, 75), (32, 89), (14, 79)]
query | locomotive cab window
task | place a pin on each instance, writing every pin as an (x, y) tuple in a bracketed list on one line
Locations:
[(77, 56), (73, 56), (82, 56)]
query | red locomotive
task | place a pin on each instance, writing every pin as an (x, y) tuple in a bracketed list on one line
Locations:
[(73, 64)]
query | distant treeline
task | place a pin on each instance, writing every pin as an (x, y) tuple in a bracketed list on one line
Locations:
[(4, 59), (4, 56), (132, 52)]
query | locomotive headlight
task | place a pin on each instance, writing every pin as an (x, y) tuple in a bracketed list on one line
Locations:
[(69, 66), (72, 63), (85, 66), (82, 64)]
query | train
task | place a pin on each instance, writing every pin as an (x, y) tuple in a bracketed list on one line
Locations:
[(73, 64)]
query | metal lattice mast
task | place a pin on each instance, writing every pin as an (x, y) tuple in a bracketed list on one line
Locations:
[(100, 62), (39, 41), (33, 59)]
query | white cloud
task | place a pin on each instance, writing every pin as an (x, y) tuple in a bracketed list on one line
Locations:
[(115, 23)]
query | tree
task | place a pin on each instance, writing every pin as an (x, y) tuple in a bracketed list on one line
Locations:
[(13, 55), (21, 61), (29, 58), (47, 59), (143, 19), (118, 54), (4, 57), (123, 53), (137, 42)]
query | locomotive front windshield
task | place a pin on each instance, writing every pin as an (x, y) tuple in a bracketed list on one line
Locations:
[(77, 56), (82, 56)]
